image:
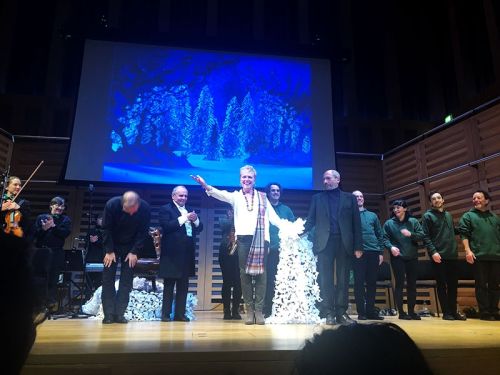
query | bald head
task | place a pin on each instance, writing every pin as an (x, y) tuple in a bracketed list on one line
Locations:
[(130, 202), (180, 195), (331, 179)]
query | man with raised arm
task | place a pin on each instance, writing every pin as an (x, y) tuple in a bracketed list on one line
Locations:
[(252, 215)]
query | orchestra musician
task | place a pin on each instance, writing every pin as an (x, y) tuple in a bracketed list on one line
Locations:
[(51, 231), (16, 212)]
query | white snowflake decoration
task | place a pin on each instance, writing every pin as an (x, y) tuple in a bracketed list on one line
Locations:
[(296, 288), (144, 303)]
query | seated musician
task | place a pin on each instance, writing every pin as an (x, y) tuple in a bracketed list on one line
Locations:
[(17, 211), (51, 231)]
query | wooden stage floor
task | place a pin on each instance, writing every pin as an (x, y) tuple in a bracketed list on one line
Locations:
[(213, 346)]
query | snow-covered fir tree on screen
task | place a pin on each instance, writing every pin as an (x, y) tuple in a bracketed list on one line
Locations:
[(212, 121), (162, 120)]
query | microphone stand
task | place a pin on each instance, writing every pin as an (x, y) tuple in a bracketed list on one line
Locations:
[(83, 287)]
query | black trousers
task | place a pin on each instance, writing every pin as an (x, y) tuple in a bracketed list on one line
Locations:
[(40, 262), (253, 287), (487, 278), (401, 268), (55, 269), (446, 282), (181, 290), (231, 281), (335, 301), (365, 273), (114, 303)]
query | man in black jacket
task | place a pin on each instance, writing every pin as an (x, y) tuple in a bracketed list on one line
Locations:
[(177, 260), (125, 227), (337, 236)]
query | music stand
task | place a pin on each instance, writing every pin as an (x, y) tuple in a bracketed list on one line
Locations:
[(82, 261), (75, 262)]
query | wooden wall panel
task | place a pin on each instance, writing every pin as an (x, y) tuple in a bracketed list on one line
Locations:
[(364, 174), (488, 128), (452, 165), (444, 149), (6, 146), (27, 155), (401, 168), (492, 176)]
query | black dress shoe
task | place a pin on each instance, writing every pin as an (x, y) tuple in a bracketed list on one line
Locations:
[(330, 320), (108, 320), (236, 315), (361, 317), (495, 316), (486, 316), (344, 319), (180, 319), (166, 319), (414, 316), (374, 317), (448, 317), (227, 316), (459, 316), (404, 316), (121, 319)]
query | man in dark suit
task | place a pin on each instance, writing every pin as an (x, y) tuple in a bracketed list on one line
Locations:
[(125, 227), (179, 225), (337, 238)]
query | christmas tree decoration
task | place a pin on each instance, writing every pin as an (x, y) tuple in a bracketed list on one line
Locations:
[(296, 287)]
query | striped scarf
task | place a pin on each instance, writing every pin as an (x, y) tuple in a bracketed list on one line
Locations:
[(255, 260)]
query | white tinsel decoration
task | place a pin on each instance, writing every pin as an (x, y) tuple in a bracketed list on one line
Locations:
[(144, 303), (296, 288)]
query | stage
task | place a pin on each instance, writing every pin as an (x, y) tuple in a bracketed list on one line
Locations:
[(210, 345)]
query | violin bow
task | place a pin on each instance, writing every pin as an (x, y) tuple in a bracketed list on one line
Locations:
[(28, 180)]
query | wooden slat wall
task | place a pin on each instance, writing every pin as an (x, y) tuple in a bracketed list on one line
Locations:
[(6, 147), (421, 168)]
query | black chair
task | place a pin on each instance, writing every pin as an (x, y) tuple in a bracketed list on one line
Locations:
[(426, 278), (384, 280), (148, 264)]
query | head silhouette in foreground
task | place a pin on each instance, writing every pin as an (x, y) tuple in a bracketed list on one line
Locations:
[(361, 349)]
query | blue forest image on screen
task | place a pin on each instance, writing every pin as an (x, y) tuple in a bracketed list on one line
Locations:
[(176, 112)]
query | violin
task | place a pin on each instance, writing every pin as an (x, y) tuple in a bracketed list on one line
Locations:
[(13, 217), (12, 220)]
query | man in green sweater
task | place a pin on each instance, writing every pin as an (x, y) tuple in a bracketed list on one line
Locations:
[(366, 263), (437, 224), (480, 232)]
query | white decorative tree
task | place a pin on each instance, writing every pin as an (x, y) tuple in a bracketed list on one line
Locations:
[(296, 288)]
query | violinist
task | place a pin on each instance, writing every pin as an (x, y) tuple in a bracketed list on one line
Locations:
[(51, 232), (16, 212)]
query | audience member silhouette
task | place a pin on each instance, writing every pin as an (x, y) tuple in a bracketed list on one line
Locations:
[(19, 293), (378, 348)]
